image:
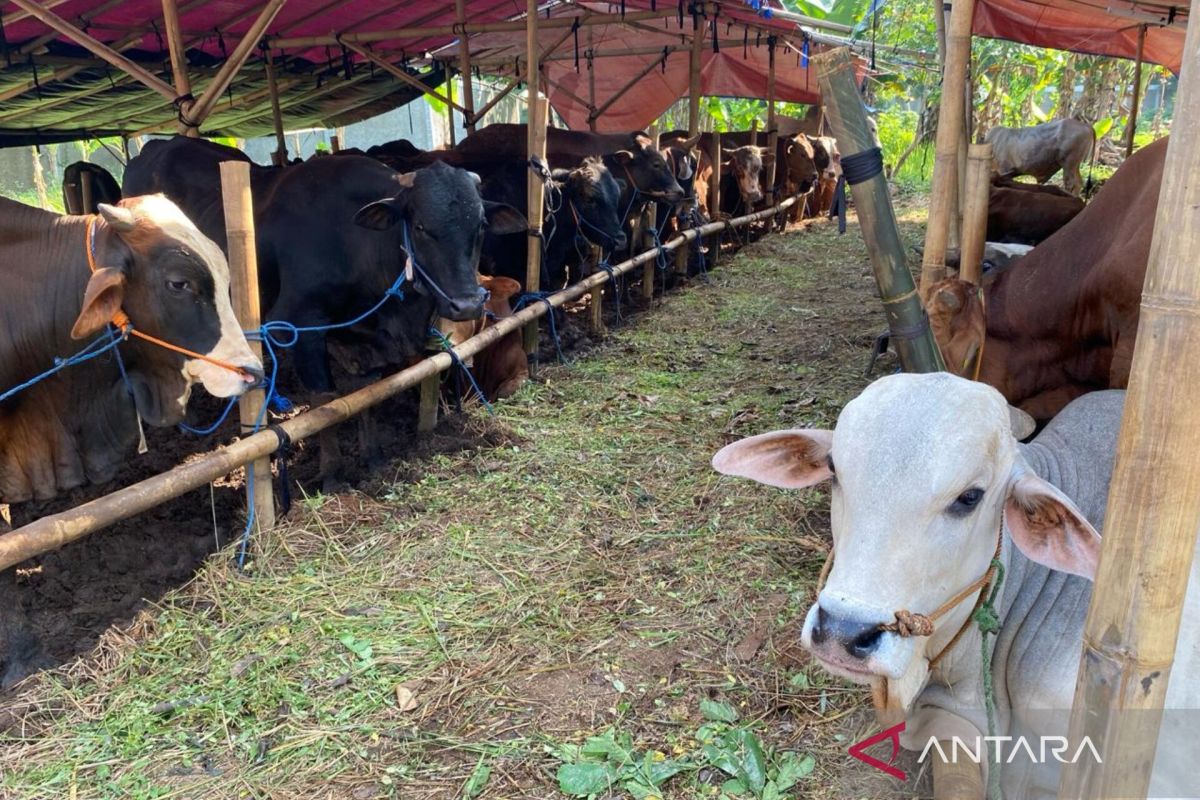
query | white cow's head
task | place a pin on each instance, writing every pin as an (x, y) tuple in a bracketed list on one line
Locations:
[(922, 467)]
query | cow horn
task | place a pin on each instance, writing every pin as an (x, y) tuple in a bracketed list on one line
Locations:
[(475, 176), (121, 219), (1022, 424), (405, 179)]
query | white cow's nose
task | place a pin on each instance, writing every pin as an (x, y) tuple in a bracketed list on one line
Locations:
[(859, 639)]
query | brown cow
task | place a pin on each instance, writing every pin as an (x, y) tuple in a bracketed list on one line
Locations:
[(827, 152), (501, 368), (1022, 213), (171, 281), (1062, 320), (1042, 150)]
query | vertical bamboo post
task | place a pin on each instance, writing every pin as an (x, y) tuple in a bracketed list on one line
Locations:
[(975, 211), (1153, 512), (714, 195), (694, 58), (85, 193), (942, 201), (591, 81), (1131, 127), (770, 166), (243, 281), (427, 411), (955, 779), (649, 222), (335, 144), (535, 144), (450, 106), (279, 157), (464, 65), (179, 73), (916, 347)]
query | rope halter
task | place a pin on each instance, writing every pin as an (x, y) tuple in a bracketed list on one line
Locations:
[(122, 322)]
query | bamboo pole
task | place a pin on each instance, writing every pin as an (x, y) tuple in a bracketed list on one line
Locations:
[(632, 82), (227, 72), (243, 281), (769, 165), (1153, 508), (450, 106), (694, 60), (911, 335), (96, 47), (954, 779), (470, 29), (942, 200), (403, 75), (1131, 127), (535, 143), (975, 211), (427, 411), (650, 222), (714, 194), (85, 193), (464, 66), (503, 93), (54, 531), (280, 156), (179, 71)]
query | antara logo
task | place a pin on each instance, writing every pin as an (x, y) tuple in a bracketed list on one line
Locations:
[(892, 734)]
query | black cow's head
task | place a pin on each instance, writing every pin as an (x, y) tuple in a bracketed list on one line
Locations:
[(643, 165), (173, 283), (595, 196), (439, 218)]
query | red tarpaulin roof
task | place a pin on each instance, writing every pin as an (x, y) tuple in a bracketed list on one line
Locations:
[(52, 89), (1098, 27)]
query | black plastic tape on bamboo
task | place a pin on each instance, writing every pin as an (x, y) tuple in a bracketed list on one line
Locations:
[(665, 55), (716, 42), (575, 33)]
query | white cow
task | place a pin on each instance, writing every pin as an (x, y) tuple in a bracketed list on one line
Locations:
[(927, 477)]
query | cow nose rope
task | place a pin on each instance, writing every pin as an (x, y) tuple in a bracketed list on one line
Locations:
[(122, 322)]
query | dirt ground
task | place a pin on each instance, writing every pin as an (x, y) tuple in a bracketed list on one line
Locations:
[(568, 572)]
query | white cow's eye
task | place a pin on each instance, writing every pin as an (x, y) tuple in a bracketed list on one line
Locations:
[(966, 502)]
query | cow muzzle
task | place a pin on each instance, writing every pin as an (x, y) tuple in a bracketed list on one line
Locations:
[(463, 308), (850, 642)]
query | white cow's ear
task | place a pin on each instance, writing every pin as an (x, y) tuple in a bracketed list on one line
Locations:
[(1049, 529), (793, 459)]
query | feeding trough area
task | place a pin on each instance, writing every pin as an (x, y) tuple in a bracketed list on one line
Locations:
[(385, 471)]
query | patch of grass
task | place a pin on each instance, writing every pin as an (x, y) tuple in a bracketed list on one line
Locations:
[(591, 574)]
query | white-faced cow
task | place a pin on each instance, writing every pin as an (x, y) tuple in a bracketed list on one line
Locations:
[(152, 264), (1042, 150), (929, 485)]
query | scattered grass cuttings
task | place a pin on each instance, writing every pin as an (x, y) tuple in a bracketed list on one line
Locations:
[(579, 597)]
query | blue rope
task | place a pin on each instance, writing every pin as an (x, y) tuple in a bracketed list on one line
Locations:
[(465, 370), (604, 266), (525, 298), (109, 340)]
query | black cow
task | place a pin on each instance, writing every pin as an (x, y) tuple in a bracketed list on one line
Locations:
[(333, 236), (581, 206), (104, 188)]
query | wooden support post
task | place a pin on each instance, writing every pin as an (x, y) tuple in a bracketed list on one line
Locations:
[(87, 205), (591, 82), (975, 211), (335, 144), (280, 156), (535, 144), (714, 196), (450, 107), (1131, 127), (183, 84), (464, 65), (917, 350), (596, 300), (1153, 513), (243, 280), (427, 412), (649, 223), (694, 59), (942, 199), (225, 75), (769, 160)]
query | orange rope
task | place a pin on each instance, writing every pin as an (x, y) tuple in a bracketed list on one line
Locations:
[(125, 325)]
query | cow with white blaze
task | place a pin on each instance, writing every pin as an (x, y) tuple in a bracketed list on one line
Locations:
[(929, 487)]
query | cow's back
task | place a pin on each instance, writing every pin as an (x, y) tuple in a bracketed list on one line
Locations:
[(564, 148)]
